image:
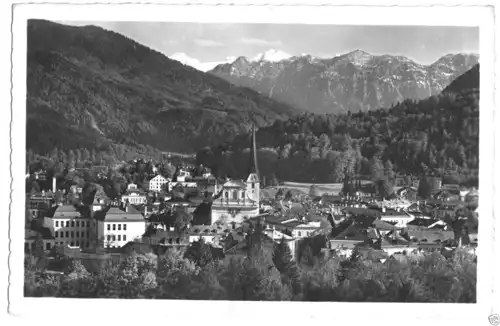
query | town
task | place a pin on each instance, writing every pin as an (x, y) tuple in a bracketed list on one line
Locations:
[(191, 204), (322, 171)]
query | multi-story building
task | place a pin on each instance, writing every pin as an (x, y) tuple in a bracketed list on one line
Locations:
[(70, 228), (134, 196), (118, 227), (158, 183)]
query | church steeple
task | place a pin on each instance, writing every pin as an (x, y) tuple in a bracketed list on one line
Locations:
[(253, 167)]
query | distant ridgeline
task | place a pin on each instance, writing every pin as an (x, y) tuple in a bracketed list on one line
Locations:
[(92, 88), (438, 135)]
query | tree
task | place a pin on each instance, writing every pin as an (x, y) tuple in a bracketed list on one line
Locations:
[(314, 191), (426, 187), (283, 260), (376, 168), (199, 252), (389, 170), (273, 182), (182, 220), (384, 188)]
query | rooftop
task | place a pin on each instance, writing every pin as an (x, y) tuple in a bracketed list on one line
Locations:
[(130, 215), (66, 211)]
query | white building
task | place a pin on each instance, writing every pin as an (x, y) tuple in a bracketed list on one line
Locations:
[(305, 230), (183, 175), (121, 226), (399, 218), (239, 199), (69, 227), (158, 183), (134, 195)]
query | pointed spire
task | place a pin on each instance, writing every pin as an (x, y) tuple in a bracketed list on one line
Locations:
[(253, 166)]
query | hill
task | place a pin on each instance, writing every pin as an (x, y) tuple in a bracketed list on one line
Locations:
[(356, 81), (92, 88), (437, 135), (469, 80)]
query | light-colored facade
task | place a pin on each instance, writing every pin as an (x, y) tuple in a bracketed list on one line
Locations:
[(305, 230), (183, 176), (70, 228), (158, 183), (239, 200), (134, 195), (400, 220), (120, 227)]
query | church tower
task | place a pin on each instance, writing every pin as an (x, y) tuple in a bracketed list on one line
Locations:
[(253, 180), (253, 166)]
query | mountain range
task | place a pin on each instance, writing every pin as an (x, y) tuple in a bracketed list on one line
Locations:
[(88, 87), (356, 81)]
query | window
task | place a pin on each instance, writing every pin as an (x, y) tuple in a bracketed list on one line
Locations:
[(109, 227), (235, 195), (113, 237), (124, 237), (119, 237), (226, 195), (72, 234), (109, 238), (67, 234), (57, 223), (88, 234), (88, 223), (72, 244), (72, 224), (56, 234), (119, 227), (253, 185), (114, 227), (124, 227), (77, 234), (67, 224), (299, 234), (77, 224), (78, 243)]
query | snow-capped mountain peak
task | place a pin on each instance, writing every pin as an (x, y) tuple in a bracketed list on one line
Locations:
[(197, 64), (272, 55)]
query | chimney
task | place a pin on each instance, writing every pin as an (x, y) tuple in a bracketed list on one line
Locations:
[(54, 184)]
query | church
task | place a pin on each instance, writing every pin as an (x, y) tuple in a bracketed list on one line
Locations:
[(239, 199)]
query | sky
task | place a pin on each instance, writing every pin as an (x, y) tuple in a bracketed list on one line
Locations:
[(215, 43)]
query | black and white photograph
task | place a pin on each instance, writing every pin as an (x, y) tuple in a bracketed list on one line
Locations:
[(251, 159)]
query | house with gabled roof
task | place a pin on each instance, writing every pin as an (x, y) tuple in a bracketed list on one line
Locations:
[(118, 226), (71, 226), (158, 183)]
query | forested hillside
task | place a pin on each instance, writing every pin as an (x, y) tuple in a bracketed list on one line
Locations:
[(437, 135), (92, 88)]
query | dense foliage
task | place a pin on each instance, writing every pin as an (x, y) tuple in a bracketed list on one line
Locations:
[(439, 135), (92, 88), (263, 273), (94, 172)]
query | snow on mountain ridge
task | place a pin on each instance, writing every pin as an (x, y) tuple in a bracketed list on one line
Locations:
[(272, 55), (197, 64)]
